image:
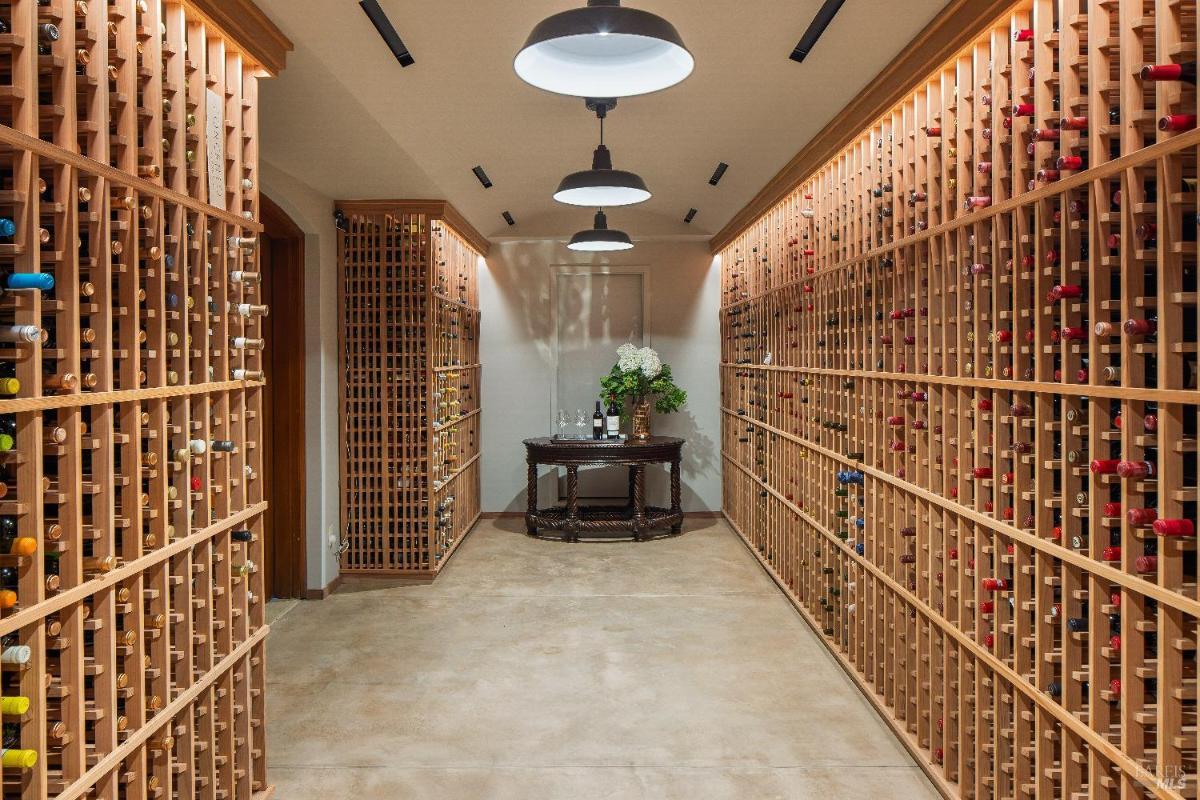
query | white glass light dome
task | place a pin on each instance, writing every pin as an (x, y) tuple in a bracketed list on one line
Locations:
[(604, 50), (602, 186), (600, 239)]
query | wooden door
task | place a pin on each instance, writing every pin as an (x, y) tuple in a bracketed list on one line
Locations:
[(283, 427)]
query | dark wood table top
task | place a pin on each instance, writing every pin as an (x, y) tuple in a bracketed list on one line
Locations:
[(545, 450)]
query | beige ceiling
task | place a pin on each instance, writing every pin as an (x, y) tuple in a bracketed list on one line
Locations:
[(346, 119)]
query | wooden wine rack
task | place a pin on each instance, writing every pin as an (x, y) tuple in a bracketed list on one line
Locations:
[(915, 396), (131, 607), (410, 377)]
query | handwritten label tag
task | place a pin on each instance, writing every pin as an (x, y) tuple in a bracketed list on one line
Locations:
[(215, 133)]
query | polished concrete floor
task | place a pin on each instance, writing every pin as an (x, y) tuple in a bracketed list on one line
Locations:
[(535, 670)]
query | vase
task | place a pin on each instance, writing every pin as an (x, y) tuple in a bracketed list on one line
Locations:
[(641, 420)]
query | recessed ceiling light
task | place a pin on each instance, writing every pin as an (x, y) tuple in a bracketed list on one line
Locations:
[(718, 173), (387, 31), (600, 239), (509, 218), (483, 178), (816, 28), (604, 50), (691, 215)]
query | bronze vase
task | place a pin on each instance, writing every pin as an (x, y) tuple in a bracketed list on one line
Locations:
[(641, 419)]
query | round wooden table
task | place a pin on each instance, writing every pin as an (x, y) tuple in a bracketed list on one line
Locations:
[(635, 517)]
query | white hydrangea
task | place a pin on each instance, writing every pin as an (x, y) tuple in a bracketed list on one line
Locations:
[(651, 364), (628, 358), (644, 360)]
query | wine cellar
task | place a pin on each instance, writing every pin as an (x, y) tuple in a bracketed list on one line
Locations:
[(960, 407), (409, 381), (131, 609)]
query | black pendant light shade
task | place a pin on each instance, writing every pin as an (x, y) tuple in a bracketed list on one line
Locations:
[(604, 50), (600, 239), (602, 185)]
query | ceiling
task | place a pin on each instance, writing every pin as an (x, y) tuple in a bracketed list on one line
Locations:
[(346, 119)]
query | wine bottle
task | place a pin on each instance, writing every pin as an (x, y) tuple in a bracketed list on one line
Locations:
[(598, 422), (14, 281), (1185, 72), (612, 422), (22, 334)]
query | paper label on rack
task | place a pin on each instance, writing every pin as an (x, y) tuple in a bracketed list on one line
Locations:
[(215, 134)]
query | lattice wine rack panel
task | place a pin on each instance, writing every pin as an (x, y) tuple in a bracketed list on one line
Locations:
[(961, 410), (131, 496), (410, 378)]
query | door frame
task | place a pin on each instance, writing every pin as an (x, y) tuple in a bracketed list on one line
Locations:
[(287, 555), (558, 270), (564, 270)]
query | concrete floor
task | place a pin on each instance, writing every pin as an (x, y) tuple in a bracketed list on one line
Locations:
[(535, 670)]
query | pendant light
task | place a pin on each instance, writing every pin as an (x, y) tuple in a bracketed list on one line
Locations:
[(602, 185), (604, 50), (600, 239)]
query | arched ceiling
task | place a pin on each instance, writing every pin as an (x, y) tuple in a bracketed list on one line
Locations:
[(346, 119)]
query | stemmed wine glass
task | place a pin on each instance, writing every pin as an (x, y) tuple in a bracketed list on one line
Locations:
[(580, 421), (562, 422)]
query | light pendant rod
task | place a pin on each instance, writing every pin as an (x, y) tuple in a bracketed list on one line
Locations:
[(602, 186)]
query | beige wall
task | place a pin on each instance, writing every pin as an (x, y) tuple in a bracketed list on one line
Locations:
[(517, 355), (313, 213), (516, 351)]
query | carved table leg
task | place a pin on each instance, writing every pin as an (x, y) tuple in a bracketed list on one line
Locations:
[(531, 490), (572, 528), (639, 502), (675, 496), (629, 494)]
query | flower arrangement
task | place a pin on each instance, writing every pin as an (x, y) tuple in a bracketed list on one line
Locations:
[(640, 374)]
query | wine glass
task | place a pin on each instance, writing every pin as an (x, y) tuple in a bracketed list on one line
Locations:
[(562, 422), (580, 421)]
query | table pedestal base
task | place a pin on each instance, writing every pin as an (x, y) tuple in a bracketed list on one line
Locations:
[(604, 522)]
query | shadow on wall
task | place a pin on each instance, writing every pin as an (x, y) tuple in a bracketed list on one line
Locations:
[(519, 352), (699, 458), (530, 297)]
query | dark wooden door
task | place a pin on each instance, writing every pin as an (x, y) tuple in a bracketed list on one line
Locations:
[(283, 404)]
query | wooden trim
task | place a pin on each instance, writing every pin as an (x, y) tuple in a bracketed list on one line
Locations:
[(275, 217), (432, 209), (248, 28), (954, 28), (325, 591)]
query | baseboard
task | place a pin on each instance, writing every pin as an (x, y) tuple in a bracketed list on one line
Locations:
[(321, 594)]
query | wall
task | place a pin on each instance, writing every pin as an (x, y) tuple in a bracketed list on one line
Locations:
[(313, 213), (516, 352)]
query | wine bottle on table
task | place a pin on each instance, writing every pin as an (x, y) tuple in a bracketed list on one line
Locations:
[(598, 422), (613, 420)]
